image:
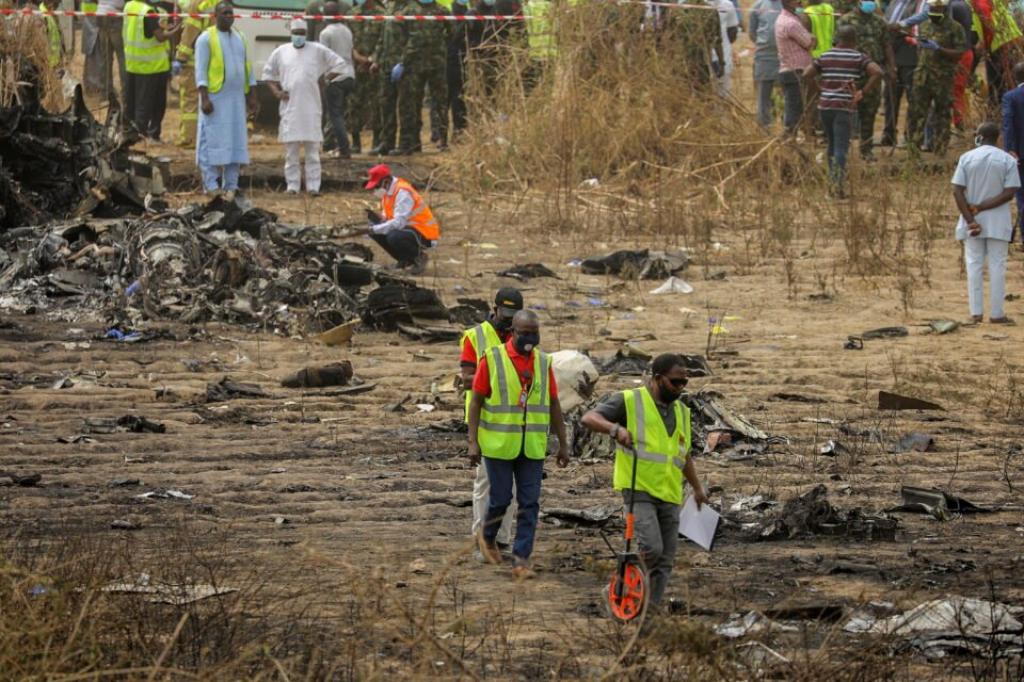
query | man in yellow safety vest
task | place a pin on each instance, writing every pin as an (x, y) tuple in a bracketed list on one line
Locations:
[(184, 67), (225, 81), (54, 40), (147, 61), (651, 425), (513, 408), (475, 342)]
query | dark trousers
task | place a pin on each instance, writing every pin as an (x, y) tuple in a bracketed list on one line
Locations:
[(336, 93), (145, 101), (455, 72), (526, 474), (111, 50), (893, 94), (837, 124), (793, 97), (404, 245), (388, 97), (999, 74)]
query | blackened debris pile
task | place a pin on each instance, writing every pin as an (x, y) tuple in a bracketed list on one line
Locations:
[(227, 261), (58, 165)]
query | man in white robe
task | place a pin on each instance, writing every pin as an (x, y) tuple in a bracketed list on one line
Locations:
[(293, 74)]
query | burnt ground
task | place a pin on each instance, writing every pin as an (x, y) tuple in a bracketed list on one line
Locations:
[(361, 484)]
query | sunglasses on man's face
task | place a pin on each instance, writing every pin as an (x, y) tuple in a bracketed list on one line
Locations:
[(678, 383)]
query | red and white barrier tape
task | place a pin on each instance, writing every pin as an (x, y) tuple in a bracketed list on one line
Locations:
[(278, 16)]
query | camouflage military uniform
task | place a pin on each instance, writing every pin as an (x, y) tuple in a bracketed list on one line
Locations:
[(364, 106), (423, 56), (872, 40), (933, 84), (388, 53), (695, 31)]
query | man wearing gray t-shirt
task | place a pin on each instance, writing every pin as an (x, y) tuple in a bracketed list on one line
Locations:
[(338, 38)]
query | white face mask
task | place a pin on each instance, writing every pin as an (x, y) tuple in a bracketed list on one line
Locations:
[(379, 192)]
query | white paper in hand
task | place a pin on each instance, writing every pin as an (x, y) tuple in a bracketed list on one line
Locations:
[(698, 525)]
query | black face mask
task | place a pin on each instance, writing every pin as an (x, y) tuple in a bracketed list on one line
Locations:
[(936, 18), (525, 343), (502, 324)]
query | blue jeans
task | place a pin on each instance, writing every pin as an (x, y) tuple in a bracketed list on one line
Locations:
[(837, 124), (793, 97), (526, 473), (336, 93)]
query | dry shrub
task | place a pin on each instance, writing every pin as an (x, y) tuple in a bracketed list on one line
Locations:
[(612, 131), (24, 59)]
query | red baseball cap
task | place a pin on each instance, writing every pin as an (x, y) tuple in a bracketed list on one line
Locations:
[(377, 173)]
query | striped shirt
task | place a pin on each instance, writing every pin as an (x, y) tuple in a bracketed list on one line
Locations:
[(840, 68)]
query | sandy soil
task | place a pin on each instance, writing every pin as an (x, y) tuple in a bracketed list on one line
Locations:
[(361, 483)]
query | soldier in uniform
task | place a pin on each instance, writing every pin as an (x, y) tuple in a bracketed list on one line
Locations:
[(873, 40), (386, 56), (184, 68), (941, 42), (422, 65), (364, 108)]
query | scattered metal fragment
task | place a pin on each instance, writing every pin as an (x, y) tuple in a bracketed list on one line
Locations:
[(25, 480), (885, 333), (750, 624), (125, 524), (812, 514), (594, 516), (226, 389), (943, 326), (177, 594), (165, 495), (642, 264), (935, 502), (913, 442), (833, 448), (129, 422), (527, 272), (894, 401)]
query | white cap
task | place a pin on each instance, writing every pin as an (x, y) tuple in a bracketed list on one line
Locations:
[(298, 24)]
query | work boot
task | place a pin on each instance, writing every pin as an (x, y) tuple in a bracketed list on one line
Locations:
[(419, 266), (521, 570), (491, 553)]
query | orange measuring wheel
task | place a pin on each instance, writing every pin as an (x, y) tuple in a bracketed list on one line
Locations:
[(627, 591)]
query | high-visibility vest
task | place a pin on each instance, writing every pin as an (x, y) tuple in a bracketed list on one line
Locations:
[(422, 219), (823, 26), (89, 6), (659, 464), (215, 75), (1004, 26), (507, 428), (482, 338), (143, 55), (539, 35), (197, 26), (53, 38)]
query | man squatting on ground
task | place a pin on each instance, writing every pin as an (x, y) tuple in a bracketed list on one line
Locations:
[(650, 423)]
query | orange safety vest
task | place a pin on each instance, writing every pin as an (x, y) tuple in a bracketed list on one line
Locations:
[(422, 219)]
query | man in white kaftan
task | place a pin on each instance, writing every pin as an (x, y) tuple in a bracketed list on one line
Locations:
[(293, 73)]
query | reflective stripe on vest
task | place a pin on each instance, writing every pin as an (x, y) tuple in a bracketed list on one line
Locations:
[(507, 429), (539, 36), (482, 338), (421, 219), (659, 471), (215, 72), (142, 55)]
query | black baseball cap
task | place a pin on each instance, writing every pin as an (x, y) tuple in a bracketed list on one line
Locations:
[(508, 300)]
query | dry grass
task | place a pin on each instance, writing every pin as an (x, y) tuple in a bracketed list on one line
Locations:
[(24, 58)]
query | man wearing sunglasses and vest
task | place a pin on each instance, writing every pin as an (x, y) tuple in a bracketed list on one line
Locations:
[(475, 342), (650, 423), (513, 408), (406, 227)]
